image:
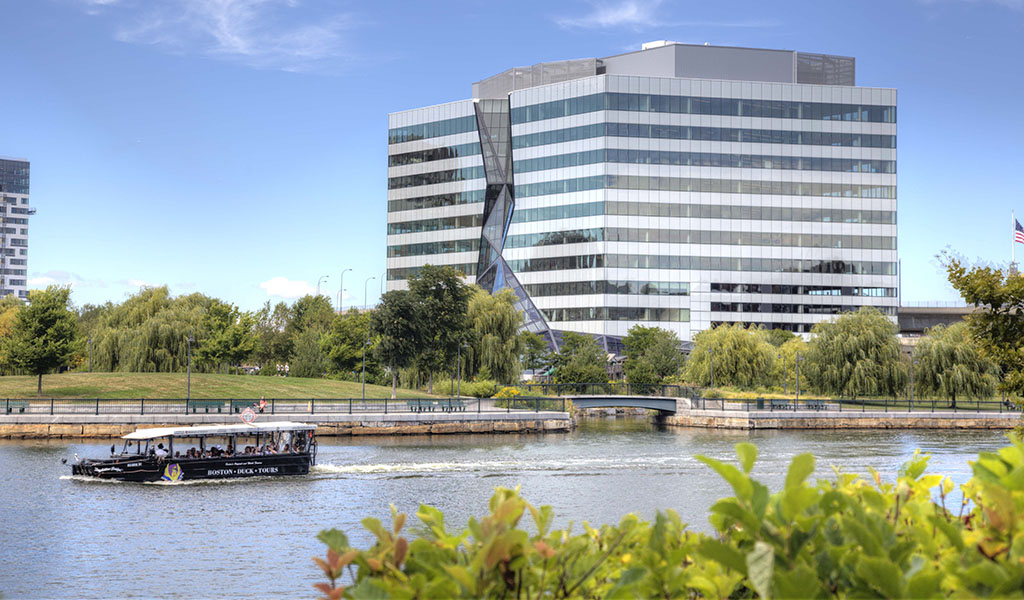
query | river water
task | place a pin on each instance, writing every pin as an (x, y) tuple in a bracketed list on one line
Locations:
[(66, 537)]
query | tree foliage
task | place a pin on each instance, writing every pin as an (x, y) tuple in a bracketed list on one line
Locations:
[(495, 340), (739, 356), (273, 346), (308, 358), (343, 343), (397, 322), (855, 355), (843, 537), (44, 334), (786, 361), (444, 299), (950, 364), (998, 323), (652, 354), (227, 336), (580, 360), (536, 354)]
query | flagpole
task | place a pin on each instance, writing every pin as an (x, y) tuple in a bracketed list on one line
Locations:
[(1013, 240)]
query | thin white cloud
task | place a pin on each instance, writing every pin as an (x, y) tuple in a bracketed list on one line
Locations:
[(266, 34), (639, 15), (282, 287), (41, 282)]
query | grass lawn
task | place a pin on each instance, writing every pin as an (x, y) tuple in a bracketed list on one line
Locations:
[(172, 385)]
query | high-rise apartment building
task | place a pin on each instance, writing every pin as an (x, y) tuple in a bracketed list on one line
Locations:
[(679, 186), (14, 214)]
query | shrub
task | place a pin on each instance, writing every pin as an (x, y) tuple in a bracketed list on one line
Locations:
[(484, 388), (833, 538), (508, 392)]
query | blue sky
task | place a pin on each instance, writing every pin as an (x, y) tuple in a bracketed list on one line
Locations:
[(238, 147)]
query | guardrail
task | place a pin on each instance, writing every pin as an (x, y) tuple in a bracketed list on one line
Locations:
[(855, 405), (274, 406), (612, 389)]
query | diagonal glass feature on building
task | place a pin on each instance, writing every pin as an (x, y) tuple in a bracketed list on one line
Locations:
[(495, 129)]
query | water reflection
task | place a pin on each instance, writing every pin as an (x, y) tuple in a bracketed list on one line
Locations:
[(63, 537)]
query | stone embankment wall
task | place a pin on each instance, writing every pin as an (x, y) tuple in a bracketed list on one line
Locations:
[(342, 428), (835, 420)]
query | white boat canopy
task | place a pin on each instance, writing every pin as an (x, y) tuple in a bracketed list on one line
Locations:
[(207, 430)]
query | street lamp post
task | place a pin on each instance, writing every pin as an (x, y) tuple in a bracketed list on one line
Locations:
[(188, 388), (383, 276), (322, 277), (90, 354), (341, 290), (364, 290)]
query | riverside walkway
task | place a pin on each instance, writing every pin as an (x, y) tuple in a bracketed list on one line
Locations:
[(76, 418)]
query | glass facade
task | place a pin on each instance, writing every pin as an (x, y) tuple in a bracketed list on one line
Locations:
[(707, 186), (706, 159), (705, 134), (691, 105), (799, 227)]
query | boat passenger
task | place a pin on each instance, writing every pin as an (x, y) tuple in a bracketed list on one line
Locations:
[(287, 448), (160, 451)]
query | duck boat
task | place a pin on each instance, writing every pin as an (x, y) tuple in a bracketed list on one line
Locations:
[(176, 454)]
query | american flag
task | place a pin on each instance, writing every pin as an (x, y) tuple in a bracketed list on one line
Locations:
[(1018, 232)]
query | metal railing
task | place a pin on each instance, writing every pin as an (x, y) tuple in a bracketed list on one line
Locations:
[(887, 405), (611, 389), (274, 406)]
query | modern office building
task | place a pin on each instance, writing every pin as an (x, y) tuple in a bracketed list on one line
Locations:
[(679, 186), (14, 214)]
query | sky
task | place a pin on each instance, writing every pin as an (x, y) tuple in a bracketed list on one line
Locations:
[(238, 147)]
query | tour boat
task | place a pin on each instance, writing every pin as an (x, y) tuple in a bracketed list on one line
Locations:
[(207, 452)]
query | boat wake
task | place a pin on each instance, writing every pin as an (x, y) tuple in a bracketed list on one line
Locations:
[(572, 465)]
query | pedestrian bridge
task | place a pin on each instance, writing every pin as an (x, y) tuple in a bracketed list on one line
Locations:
[(662, 405)]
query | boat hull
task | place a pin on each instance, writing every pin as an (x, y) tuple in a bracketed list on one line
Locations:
[(151, 469)]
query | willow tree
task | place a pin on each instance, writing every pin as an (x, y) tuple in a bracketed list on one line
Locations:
[(950, 363), (855, 355), (397, 322), (786, 361), (739, 356), (494, 334)]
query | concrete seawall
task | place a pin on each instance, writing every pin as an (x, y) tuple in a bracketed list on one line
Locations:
[(827, 419), (109, 426)]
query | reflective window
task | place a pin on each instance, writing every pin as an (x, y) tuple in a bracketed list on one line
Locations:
[(778, 109), (630, 288), (470, 197), (713, 134), (420, 156), (698, 159), (716, 186), (432, 129), (617, 313)]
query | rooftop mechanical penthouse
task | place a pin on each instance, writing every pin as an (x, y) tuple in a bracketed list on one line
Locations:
[(679, 186)]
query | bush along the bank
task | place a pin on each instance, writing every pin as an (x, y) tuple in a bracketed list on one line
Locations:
[(844, 537)]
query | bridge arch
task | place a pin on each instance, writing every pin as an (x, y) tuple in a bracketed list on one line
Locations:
[(662, 405)]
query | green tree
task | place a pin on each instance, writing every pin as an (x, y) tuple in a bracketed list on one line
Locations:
[(950, 363), (44, 334), (397, 322), (307, 359), (536, 354), (272, 345), (740, 357), (997, 324), (652, 354), (778, 337), (343, 343), (495, 340), (785, 365), (147, 332), (855, 355), (444, 297), (580, 360), (228, 336), (309, 312)]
